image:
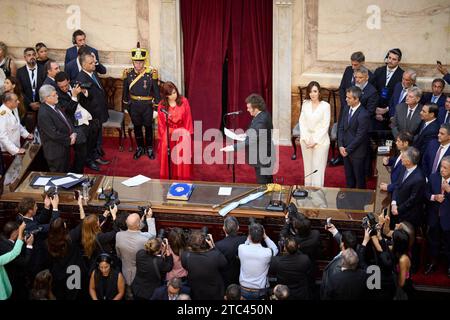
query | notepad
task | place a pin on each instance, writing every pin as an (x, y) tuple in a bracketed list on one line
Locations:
[(41, 181), (136, 181), (225, 191)]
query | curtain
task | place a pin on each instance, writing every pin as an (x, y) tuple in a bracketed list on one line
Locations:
[(213, 29)]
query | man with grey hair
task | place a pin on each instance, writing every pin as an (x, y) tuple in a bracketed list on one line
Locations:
[(353, 138), (369, 97), (401, 89), (56, 131), (129, 242), (438, 214), (350, 284), (407, 198), (10, 128), (407, 114)]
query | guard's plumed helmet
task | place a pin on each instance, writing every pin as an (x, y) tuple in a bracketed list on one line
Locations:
[(138, 53)]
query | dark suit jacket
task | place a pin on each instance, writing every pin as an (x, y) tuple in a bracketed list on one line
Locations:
[(379, 81), (423, 138), (348, 285), (426, 98), (55, 134), (437, 213), (96, 101), (161, 293), (72, 53), (396, 171), (24, 80), (369, 99), (394, 101), (401, 123), (295, 271), (229, 248), (442, 115), (49, 81), (409, 196), (428, 157), (447, 78), (347, 81), (259, 135), (354, 136), (71, 68), (147, 278)]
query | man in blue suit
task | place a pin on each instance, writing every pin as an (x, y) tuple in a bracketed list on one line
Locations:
[(436, 95), (401, 89), (438, 214), (444, 114), (73, 68), (353, 138), (407, 198), (429, 128), (78, 40), (436, 150), (51, 68), (403, 142)]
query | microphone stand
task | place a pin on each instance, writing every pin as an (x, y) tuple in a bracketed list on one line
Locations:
[(234, 153), (168, 143)]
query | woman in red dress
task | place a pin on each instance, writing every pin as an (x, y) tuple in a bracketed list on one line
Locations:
[(180, 130)]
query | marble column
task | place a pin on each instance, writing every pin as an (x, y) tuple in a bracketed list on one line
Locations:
[(282, 67), (171, 67)]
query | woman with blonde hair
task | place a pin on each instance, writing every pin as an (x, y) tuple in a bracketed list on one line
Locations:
[(7, 63)]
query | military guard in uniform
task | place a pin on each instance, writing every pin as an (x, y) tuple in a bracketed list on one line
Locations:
[(140, 93)]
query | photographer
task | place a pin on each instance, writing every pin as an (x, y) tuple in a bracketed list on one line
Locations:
[(17, 268), (203, 263), (152, 264), (5, 285), (129, 242), (38, 223), (255, 261)]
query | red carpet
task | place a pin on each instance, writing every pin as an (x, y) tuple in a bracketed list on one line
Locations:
[(289, 170)]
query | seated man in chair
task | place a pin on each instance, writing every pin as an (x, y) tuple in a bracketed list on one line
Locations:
[(140, 92)]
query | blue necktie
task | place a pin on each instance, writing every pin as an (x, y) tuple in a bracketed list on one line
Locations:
[(96, 81), (350, 115), (434, 99)]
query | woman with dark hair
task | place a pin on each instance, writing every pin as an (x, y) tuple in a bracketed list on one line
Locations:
[(152, 264), (177, 243), (42, 286), (400, 251), (107, 283), (7, 63), (314, 139), (12, 85), (177, 109), (41, 52)]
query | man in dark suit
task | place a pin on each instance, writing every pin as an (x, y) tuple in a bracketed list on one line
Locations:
[(436, 150), (353, 139), (78, 40), (171, 291), (436, 95), (30, 76), (446, 75), (444, 113), (438, 214), (56, 130), (73, 68), (369, 97), (17, 268), (401, 89), (429, 128), (407, 115), (96, 105), (409, 192), (229, 248), (260, 151), (385, 78), (51, 68), (403, 142)]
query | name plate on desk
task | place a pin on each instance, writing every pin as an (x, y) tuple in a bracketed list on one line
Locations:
[(180, 191)]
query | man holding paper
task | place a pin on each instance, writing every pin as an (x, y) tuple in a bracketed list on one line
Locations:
[(259, 149)]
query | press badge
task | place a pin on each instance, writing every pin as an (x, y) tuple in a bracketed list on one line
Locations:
[(384, 93), (78, 115)]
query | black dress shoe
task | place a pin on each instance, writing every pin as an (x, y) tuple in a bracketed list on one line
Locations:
[(430, 268), (336, 161), (150, 153), (101, 152), (139, 152), (92, 165), (101, 161)]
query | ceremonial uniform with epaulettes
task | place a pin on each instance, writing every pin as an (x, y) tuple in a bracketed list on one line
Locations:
[(140, 93), (10, 131)]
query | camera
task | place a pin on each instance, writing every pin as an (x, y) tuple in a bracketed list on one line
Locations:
[(143, 209), (205, 232), (161, 234), (51, 192), (28, 233), (110, 203), (83, 85), (76, 194), (369, 222)]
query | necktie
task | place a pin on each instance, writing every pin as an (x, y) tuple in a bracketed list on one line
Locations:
[(436, 160), (353, 80), (402, 95), (423, 126), (350, 115), (64, 118), (33, 83), (433, 99), (405, 176), (96, 81), (388, 76), (410, 114)]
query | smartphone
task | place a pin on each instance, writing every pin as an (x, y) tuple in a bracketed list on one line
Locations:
[(328, 222), (438, 62), (385, 212)]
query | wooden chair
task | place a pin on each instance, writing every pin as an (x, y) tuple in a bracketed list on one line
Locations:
[(113, 93)]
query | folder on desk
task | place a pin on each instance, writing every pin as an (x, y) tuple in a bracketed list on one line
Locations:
[(180, 191)]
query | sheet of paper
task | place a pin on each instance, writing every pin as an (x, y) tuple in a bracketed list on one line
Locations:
[(230, 134), (59, 182), (41, 181), (225, 191), (76, 175), (136, 181)]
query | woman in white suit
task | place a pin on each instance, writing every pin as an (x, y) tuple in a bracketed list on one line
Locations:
[(314, 139)]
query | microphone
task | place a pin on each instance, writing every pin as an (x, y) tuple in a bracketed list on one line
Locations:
[(302, 193), (233, 113)]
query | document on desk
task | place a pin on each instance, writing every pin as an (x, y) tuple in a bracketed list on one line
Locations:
[(64, 181), (225, 191), (136, 181), (41, 181), (230, 134)]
